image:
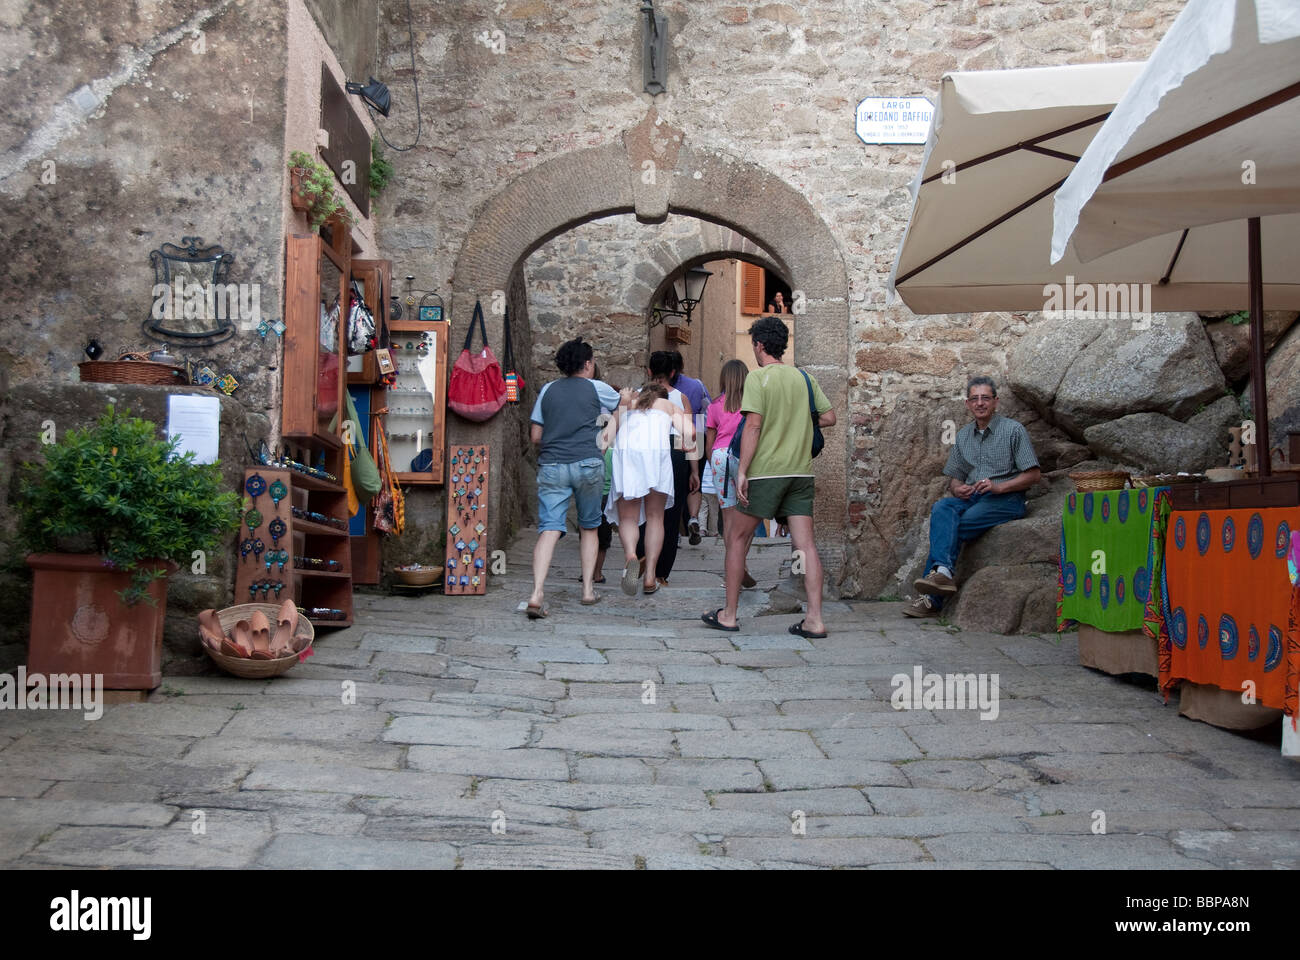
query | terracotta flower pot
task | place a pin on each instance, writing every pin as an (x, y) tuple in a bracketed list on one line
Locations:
[(80, 626), (297, 198)]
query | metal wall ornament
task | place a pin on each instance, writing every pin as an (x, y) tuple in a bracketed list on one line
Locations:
[(204, 316)]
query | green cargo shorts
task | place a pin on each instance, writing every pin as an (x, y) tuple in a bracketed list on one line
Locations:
[(779, 497)]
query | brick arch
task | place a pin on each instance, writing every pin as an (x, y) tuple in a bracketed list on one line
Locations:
[(653, 172)]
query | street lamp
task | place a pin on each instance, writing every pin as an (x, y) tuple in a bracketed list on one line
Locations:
[(686, 294)]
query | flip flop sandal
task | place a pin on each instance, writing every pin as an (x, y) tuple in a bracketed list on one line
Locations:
[(535, 612), (646, 591), (711, 620), (593, 579), (798, 630), (631, 579), (590, 603)]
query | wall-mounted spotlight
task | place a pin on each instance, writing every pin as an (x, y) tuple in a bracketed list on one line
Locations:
[(374, 93)]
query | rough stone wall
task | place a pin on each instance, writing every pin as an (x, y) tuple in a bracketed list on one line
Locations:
[(129, 125), (772, 84)]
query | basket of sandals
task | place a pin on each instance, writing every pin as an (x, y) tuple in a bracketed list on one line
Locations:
[(256, 640)]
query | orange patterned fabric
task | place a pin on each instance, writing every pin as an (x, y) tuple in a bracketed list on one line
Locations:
[(1228, 599)]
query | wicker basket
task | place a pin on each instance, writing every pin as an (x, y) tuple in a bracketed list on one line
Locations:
[(418, 578), (259, 669), (1090, 481), (131, 371)]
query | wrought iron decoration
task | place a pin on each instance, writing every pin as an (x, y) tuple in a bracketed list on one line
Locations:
[(184, 265)]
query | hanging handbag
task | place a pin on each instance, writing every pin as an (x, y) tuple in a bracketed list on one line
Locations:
[(476, 390), (514, 382), (361, 466), (390, 504), (362, 335)]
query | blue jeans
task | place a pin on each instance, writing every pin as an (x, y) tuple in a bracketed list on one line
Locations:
[(558, 482), (954, 521)]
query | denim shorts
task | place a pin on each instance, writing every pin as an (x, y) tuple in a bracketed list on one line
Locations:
[(727, 490), (557, 482)]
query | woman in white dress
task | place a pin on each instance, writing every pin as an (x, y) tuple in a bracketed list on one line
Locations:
[(641, 487)]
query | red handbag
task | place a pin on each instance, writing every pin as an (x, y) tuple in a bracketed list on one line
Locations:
[(476, 390)]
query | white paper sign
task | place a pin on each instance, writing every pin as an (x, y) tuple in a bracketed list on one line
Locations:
[(197, 421), (894, 119)]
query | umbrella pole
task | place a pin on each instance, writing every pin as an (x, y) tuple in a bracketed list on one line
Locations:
[(1259, 392)]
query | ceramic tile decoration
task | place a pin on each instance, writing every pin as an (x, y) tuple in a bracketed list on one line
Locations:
[(466, 506)]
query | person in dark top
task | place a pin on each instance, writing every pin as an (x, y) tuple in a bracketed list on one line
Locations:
[(991, 465), (697, 395), (565, 422)]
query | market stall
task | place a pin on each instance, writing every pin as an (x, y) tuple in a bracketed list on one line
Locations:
[(1111, 555)]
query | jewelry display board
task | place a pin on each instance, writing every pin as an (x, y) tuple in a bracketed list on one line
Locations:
[(293, 543), (466, 568), (417, 402)]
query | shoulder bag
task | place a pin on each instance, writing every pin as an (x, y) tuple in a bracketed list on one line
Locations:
[(476, 390)]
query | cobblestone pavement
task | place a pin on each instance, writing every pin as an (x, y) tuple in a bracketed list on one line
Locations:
[(628, 735)]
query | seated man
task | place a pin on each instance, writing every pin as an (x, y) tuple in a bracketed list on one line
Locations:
[(991, 464)]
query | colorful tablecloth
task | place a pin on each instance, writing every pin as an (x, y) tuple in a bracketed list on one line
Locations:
[(1107, 559), (1227, 600)]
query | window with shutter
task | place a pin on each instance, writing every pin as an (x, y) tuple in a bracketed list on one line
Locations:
[(751, 289)]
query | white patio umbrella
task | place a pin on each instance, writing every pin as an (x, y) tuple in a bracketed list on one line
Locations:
[(1208, 136), (1000, 144)]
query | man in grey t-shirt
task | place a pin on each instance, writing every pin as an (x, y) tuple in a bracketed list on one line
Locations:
[(991, 464), (565, 421)]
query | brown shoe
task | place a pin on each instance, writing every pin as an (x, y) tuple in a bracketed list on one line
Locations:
[(748, 581), (920, 607), (936, 585)]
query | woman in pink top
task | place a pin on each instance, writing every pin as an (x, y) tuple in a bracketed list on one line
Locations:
[(723, 418)]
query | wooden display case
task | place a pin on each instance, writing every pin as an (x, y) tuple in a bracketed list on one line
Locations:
[(417, 402), (316, 277)]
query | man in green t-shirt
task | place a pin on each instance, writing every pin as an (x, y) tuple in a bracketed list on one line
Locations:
[(775, 476)]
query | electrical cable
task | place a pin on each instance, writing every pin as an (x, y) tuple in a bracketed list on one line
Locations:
[(415, 79)]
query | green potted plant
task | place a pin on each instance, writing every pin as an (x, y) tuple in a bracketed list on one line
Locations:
[(312, 190), (108, 516), (381, 171)]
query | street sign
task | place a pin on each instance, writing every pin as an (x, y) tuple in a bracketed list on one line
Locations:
[(894, 119)]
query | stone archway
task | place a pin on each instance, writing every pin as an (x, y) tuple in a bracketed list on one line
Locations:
[(713, 241), (654, 172)]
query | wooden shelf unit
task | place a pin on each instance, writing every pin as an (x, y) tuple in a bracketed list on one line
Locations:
[(303, 538), (316, 272)]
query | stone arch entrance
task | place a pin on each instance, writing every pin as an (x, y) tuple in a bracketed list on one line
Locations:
[(654, 172), (713, 241)]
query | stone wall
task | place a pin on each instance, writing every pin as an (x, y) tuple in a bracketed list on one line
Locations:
[(132, 124), (770, 87)]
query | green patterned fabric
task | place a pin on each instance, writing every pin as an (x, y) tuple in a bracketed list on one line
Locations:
[(1106, 573)]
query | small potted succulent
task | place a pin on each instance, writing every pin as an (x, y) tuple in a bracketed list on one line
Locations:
[(312, 190), (108, 516)]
